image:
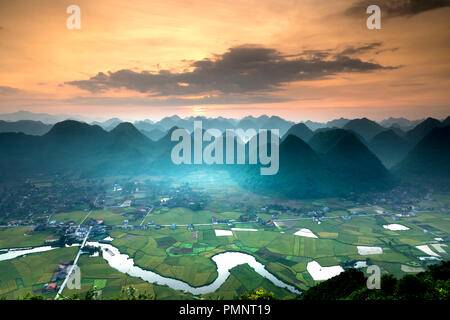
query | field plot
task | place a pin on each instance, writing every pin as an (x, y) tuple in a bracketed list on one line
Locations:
[(243, 279), (96, 272), (30, 273), (186, 216), (23, 237), (149, 250), (178, 254)]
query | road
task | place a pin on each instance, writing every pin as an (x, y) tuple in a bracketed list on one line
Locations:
[(148, 212), (63, 285), (88, 214)]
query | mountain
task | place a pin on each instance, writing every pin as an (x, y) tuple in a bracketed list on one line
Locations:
[(34, 128), (323, 140), (301, 131), (401, 123), (299, 175), (109, 124), (389, 147), (126, 134), (154, 134), (398, 131), (429, 159), (446, 122), (169, 122), (337, 123), (76, 148), (43, 117), (149, 126), (364, 127), (314, 125), (217, 123), (247, 123), (275, 122), (422, 129), (352, 167), (71, 130), (346, 166)]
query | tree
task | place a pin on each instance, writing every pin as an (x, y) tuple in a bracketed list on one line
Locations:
[(259, 294)]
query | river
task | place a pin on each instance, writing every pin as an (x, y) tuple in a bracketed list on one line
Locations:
[(123, 263)]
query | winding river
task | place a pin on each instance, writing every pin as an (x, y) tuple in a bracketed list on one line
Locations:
[(19, 252), (123, 263)]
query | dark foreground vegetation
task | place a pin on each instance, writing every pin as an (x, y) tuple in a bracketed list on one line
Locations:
[(433, 284)]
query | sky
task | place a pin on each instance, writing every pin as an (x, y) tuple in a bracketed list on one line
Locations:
[(298, 59)]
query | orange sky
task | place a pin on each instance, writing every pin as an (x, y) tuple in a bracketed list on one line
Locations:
[(42, 62)]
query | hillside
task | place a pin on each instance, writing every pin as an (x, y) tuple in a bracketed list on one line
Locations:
[(323, 141), (389, 147), (72, 147), (364, 127), (429, 159), (422, 129), (300, 130), (352, 167)]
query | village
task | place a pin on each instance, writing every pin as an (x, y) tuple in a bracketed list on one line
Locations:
[(133, 211)]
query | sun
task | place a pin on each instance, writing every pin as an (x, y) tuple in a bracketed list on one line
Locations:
[(198, 109)]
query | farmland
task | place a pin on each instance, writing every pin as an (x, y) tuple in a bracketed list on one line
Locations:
[(339, 228)]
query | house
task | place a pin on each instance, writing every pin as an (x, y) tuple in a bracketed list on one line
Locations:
[(213, 219), (157, 227), (126, 203), (50, 287), (190, 227), (173, 226)]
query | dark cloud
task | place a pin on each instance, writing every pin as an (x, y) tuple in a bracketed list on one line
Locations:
[(351, 50), (8, 90), (241, 71), (397, 8)]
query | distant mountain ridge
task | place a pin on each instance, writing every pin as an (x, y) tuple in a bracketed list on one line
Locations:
[(364, 127), (34, 128), (330, 162)]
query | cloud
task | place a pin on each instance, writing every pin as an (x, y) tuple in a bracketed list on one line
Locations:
[(248, 70), (6, 91), (351, 50), (397, 8)]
